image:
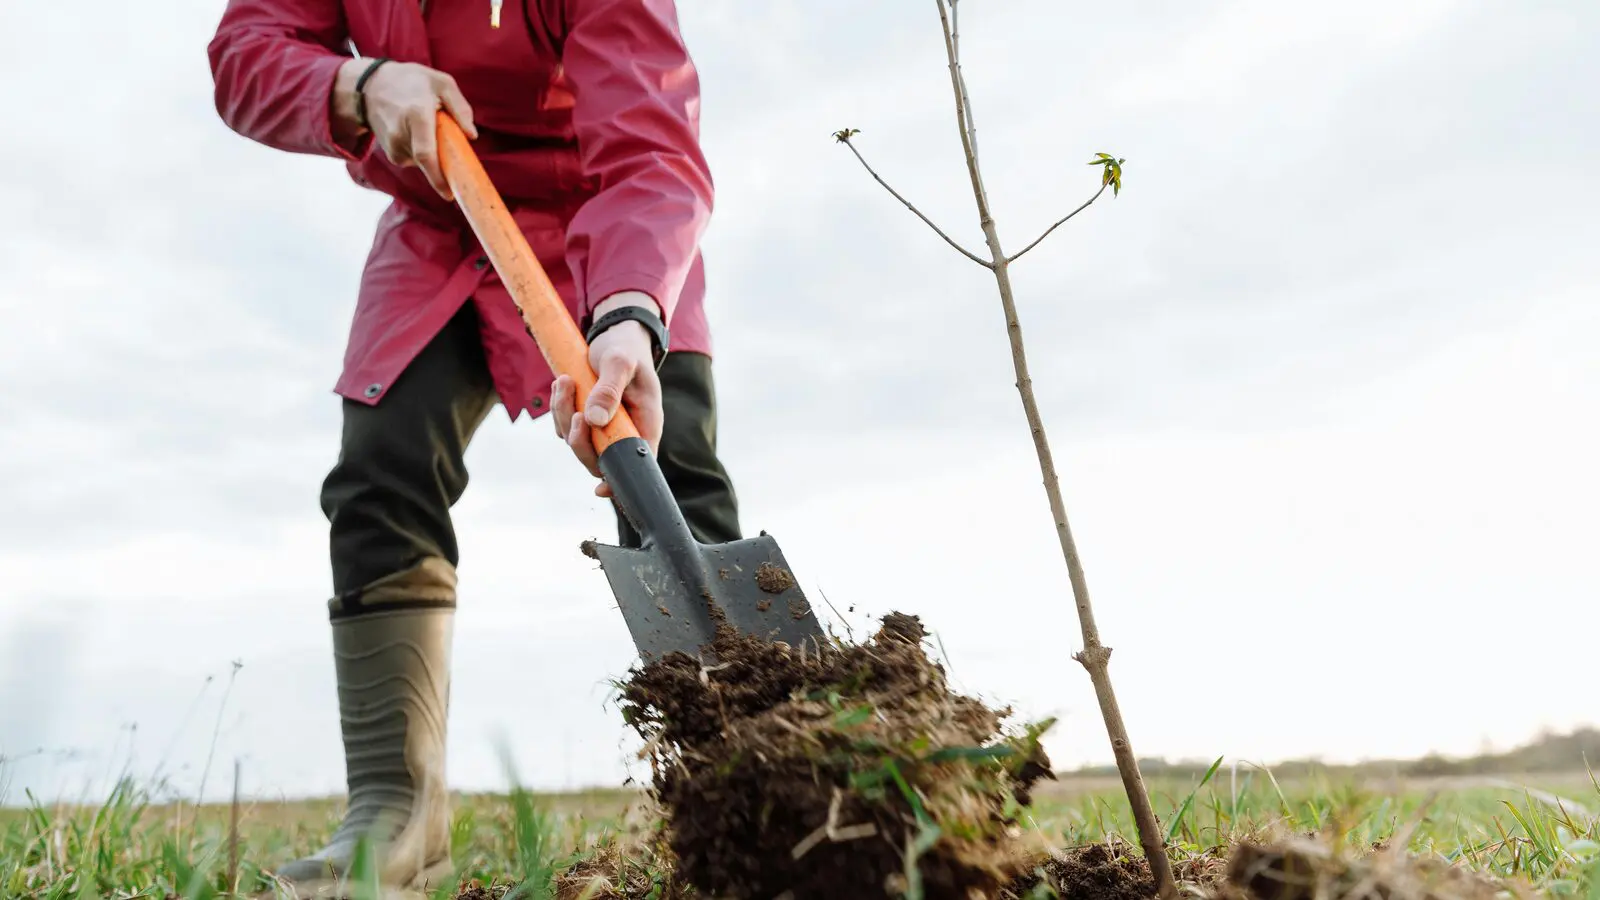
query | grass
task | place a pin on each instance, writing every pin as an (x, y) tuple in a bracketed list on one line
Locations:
[(1544, 833)]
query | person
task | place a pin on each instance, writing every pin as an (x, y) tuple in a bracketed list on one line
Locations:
[(585, 115)]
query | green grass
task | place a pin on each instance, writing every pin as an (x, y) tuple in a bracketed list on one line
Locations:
[(1544, 832)]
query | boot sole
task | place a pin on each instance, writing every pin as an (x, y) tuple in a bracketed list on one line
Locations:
[(429, 880)]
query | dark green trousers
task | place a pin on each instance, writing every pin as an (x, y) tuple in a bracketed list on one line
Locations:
[(401, 466)]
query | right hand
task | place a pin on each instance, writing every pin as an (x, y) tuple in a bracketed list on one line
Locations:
[(403, 101)]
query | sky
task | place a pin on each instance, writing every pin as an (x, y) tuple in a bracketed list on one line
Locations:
[(1320, 385)]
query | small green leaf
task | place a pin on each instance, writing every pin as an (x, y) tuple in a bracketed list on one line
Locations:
[(850, 718), (917, 809), (869, 779), (362, 877), (1183, 809), (968, 754), (1110, 172)]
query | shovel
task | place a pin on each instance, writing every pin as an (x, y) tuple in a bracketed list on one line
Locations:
[(674, 592)]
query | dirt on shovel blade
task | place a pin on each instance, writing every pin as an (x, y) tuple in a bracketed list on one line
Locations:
[(850, 773)]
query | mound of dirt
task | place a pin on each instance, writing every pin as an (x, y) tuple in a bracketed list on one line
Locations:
[(1298, 867), (850, 771), (1307, 869), (1095, 872)]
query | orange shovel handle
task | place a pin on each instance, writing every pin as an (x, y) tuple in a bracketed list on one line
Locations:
[(542, 310)]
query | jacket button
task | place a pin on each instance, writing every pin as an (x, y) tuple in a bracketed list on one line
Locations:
[(480, 262), (538, 402), (373, 390)]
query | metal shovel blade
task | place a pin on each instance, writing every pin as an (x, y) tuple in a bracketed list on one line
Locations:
[(664, 595)]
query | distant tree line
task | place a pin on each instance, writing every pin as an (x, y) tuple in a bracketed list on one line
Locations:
[(1549, 752)]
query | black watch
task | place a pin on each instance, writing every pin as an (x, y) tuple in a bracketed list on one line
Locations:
[(659, 337)]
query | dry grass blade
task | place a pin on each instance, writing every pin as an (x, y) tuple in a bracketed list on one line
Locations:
[(830, 830)]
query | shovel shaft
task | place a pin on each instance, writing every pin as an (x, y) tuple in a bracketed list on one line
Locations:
[(542, 310)]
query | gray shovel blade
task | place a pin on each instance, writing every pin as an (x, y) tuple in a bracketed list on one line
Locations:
[(667, 610)]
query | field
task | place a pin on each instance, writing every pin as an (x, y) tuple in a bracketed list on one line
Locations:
[(1538, 831), (852, 770)]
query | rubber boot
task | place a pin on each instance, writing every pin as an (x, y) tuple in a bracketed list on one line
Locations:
[(391, 647)]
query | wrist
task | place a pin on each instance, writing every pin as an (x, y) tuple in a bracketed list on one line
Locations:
[(346, 111), (626, 298), (350, 86), (624, 312)]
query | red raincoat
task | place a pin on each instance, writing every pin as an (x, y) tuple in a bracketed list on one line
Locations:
[(588, 120)]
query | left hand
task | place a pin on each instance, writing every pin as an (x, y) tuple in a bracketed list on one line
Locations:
[(626, 374)]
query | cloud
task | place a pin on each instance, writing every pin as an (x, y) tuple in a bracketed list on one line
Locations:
[(1334, 198)]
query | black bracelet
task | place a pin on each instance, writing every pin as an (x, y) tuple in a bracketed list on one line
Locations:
[(659, 336), (361, 86)]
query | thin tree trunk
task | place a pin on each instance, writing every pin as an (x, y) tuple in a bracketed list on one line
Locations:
[(1095, 656)]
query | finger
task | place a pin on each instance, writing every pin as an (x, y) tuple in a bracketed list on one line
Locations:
[(616, 372), (397, 144), (581, 440), (561, 404), (456, 104), (425, 149), (643, 399)]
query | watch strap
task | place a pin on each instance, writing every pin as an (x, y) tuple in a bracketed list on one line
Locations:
[(659, 336)]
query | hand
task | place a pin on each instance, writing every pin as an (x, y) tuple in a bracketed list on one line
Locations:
[(625, 372), (403, 101)]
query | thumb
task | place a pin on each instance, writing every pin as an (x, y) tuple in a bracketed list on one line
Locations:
[(616, 370)]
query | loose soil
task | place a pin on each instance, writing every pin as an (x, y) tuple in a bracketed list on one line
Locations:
[(773, 579), (1302, 868), (850, 771), (1296, 868), (1096, 872)]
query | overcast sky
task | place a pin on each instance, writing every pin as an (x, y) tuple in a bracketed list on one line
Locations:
[(1321, 385)]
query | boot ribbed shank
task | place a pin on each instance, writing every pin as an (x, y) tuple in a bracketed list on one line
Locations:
[(392, 658)]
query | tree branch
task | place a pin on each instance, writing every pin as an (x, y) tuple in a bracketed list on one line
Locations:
[(971, 128), (843, 137), (969, 133), (1017, 255)]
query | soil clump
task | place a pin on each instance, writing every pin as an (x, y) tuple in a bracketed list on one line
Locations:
[(849, 770), (1095, 872), (1302, 868)]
